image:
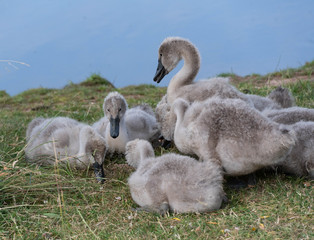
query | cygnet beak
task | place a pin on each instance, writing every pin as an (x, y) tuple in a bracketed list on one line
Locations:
[(114, 127), (160, 72), (99, 172)]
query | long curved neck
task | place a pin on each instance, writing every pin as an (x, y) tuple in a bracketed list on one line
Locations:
[(187, 73), (179, 110)]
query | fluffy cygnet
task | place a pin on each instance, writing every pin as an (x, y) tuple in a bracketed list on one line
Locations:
[(172, 182)]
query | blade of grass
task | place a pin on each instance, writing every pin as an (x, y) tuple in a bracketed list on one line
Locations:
[(87, 224)]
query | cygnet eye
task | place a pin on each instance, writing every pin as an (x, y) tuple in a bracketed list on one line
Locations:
[(108, 110), (120, 109), (160, 54)]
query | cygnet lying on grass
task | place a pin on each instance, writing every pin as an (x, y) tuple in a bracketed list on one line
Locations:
[(65, 140), (236, 135), (172, 182), (300, 161), (126, 124)]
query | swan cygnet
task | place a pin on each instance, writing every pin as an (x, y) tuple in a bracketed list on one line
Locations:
[(65, 140), (172, 182), (231, 132), (127, 124), (171, 51), (290, 115), (300, 161), (277, 99)]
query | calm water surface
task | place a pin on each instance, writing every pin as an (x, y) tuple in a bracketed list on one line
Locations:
[(66, 41)]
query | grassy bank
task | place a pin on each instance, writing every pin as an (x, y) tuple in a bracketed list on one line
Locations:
[(54, 203)]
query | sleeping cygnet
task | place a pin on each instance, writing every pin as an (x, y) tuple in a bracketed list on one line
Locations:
[(65, 140), (172, 182), (300, 161)]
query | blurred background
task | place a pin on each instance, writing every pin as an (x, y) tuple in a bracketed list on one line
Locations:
[(50, 43)]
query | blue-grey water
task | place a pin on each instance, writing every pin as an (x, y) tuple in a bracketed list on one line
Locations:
[(64, 41)]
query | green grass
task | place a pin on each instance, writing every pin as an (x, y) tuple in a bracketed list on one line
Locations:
[(61, 203)]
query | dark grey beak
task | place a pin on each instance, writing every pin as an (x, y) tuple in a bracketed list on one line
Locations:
[(160, 72), (114, 127), (99, 172), (164, 142)]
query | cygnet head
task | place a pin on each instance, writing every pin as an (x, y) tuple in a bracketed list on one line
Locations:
[(171, 51), (95, 149), (95, 144), (137, 150), (114, 107)]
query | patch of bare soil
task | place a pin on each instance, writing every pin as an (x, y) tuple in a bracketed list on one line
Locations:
[(283, 81)]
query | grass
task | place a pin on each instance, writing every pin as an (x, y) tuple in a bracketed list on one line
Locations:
[(61, 203)]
